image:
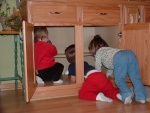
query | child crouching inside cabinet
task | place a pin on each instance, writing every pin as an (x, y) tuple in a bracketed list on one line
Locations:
[(44, 51), (96, 85)]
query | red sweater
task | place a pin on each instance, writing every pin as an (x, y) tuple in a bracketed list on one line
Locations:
[(44, 55)]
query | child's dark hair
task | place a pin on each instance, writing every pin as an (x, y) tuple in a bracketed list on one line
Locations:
[(96, 43), (70, 53)]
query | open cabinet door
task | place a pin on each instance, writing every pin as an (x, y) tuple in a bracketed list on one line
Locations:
[(137, 38), (29, 67)]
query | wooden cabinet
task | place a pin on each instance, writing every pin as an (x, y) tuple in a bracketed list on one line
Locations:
[(101, 15), (78, 14)]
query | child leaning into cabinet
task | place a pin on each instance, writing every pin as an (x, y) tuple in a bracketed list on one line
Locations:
[(96, 85), (45, 63), (123, 62)]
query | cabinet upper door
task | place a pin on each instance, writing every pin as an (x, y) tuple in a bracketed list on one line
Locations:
[(101, 15), (29, 67), (53, 13), (137, 38), (132, 14)]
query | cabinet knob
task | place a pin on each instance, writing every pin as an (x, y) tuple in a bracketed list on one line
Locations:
[(139, 15), (120, 34), (101, 13), (57, 13)]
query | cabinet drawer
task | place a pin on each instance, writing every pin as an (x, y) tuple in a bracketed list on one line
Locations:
[(101, 15), (53, 13)]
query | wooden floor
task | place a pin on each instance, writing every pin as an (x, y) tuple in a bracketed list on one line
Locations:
[(12, 102)]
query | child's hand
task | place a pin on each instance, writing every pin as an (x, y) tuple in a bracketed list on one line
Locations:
[(49, 42)]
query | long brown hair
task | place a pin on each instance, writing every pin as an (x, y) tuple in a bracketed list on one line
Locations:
[(96, 43)]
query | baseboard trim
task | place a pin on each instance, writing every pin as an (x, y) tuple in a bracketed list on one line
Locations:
[(9, 86)]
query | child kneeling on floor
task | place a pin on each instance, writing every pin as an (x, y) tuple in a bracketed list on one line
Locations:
[(45, 63), (96, 85)]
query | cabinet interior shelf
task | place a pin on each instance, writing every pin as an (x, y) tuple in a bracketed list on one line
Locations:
[(62, 55)]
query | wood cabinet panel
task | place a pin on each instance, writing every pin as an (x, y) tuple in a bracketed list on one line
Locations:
[(147, 14), (101, 15), (53, 13), (136, 38)]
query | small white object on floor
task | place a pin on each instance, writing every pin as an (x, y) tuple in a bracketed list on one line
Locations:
[(142, 101), (58, 81), (39, 80)]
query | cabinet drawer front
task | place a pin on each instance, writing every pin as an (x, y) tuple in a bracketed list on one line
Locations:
[(101, 15), (53, 13)]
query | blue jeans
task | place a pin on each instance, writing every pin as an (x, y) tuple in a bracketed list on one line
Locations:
[(125, 62)]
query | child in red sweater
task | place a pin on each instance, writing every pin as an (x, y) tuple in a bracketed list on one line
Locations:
[(45, 63)]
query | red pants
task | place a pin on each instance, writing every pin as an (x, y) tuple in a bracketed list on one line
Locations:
[(94, 84)]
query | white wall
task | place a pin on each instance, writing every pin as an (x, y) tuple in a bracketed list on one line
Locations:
[(61, 37)]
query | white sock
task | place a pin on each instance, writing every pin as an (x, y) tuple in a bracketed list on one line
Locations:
[(128, 100), (147, 99), (119, 96), (142, 101), (58, 81), (39, 80), (102, 97), (66, 72)]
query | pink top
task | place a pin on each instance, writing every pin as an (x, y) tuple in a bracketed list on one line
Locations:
[(44, 55)]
